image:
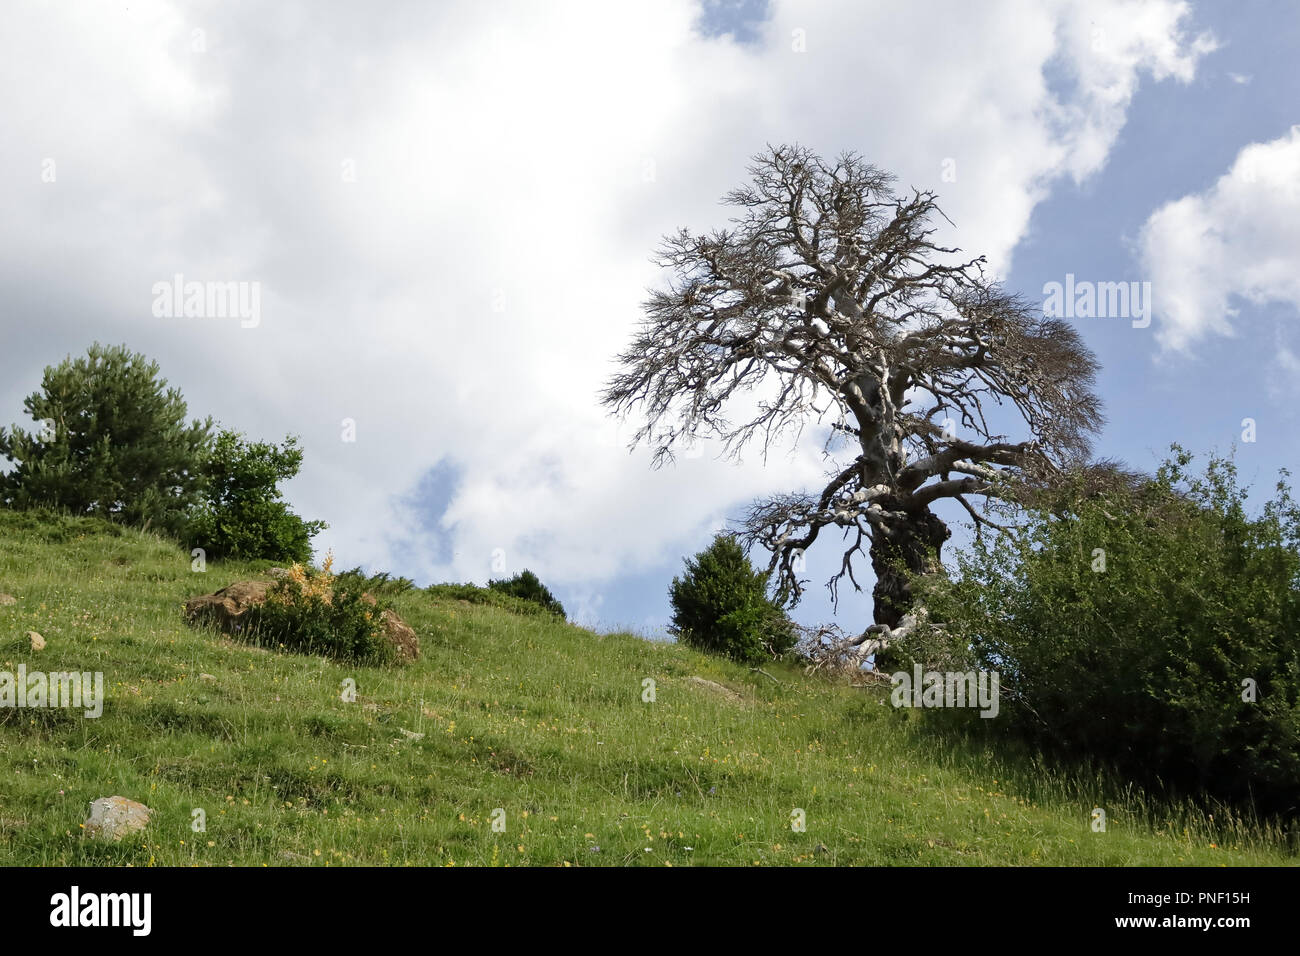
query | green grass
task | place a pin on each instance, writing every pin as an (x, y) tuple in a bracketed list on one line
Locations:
[(541, 719)]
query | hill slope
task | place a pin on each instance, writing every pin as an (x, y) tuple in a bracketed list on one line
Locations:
[(542, 721)]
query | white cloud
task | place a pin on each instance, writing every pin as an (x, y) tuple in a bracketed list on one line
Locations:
[(1105, 49), (462, 299), (1237, 240)]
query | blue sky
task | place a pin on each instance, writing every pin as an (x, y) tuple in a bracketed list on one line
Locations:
[(449, 212), (1179, 140)]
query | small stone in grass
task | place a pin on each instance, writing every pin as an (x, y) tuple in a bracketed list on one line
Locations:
[(112, 818)]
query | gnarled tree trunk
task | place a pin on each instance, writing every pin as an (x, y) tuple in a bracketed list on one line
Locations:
[(898, 551)]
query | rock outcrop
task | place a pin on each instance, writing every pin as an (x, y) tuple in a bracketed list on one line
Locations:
[(402, 636), (721, 690), (227, 607)]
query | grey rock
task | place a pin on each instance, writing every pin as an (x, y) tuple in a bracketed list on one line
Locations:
[(112, 818)]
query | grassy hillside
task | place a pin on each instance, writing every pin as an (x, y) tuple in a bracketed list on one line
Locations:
[(540, 719)]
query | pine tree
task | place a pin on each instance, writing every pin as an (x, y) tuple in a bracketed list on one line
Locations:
[(721, 605), (112, 441)]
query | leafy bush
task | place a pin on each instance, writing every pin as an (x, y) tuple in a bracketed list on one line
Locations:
[(112, 443), (315, 612), (1127, 628), (381, 583), (241, 514), (721, 605), (474, 594), (526, 586)]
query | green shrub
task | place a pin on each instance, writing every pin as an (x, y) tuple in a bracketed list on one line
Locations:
[(241, 513), (1126, 625), (526, 586), (475, 594), (314, 612), (720, 605), (381, 583)]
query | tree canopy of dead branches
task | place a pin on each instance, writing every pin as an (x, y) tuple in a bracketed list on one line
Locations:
[(827, 300)]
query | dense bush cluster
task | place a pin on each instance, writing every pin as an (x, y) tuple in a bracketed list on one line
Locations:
[(476, 594), (381, 583), (1155, 630), (526, 586), (315, 612), (721, 605)]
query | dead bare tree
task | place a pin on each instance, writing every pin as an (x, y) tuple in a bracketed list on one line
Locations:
[(827, 301)]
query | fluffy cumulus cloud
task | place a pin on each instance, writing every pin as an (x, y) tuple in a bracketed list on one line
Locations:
[(450, 207), (1238, 241)]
